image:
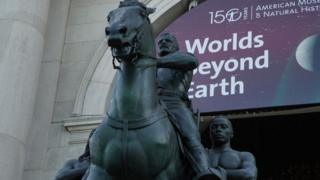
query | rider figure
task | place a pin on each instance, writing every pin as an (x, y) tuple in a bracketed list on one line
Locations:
[(174, 74)]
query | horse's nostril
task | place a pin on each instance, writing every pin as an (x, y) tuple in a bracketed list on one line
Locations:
[(123, 30)]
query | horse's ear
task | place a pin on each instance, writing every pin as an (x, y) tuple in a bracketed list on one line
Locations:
[(150, 10), (146, 11)]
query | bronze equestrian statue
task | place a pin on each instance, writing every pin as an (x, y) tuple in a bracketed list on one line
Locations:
[(137, 141)]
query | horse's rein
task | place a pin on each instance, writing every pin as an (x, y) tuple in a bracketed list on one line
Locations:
[(136, 53)]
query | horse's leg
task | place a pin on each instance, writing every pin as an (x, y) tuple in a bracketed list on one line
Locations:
[(97, 173)]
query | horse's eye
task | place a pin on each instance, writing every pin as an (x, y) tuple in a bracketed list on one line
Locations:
[(107, 31)]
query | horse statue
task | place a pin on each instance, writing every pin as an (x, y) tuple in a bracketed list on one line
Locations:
[(136, 141)]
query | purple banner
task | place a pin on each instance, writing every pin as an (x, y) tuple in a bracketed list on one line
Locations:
[(252, 54)]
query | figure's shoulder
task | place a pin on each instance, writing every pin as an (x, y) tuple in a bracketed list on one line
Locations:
[(186, 56), (69, 164), (247, 155), (183, 53), (72, 161)]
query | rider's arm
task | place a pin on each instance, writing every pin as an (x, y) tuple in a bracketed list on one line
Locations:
[(247, 170), (178, 60)]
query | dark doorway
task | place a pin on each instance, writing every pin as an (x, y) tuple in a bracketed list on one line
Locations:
[(285, 147)]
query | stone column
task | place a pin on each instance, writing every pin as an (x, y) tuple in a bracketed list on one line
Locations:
[(22, 28)]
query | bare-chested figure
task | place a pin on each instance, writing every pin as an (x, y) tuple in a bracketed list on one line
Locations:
[(238, 165)]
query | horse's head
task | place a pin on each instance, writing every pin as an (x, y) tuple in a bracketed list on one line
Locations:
[(126, 24)]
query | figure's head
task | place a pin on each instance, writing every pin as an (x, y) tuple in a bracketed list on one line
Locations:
[(167, 44), (221, 130), (125, 24)]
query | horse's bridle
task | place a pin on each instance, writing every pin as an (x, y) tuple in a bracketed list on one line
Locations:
[(134, 50)]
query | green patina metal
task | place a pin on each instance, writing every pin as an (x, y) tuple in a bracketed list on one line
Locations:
[(137, 141)]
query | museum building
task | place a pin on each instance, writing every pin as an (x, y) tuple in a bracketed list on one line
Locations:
[(258, 65)]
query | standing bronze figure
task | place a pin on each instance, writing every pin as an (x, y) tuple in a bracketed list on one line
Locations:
[(137, 141), (238, 165)]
